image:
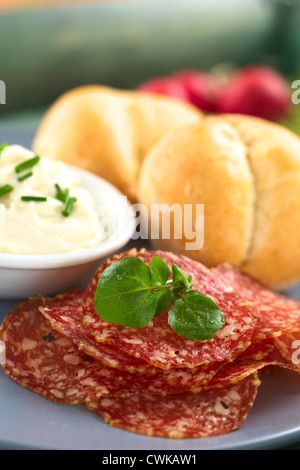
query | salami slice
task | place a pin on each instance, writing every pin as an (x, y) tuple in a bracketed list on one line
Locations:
[(204, 414), (260, 355), (157, 343), (42, 360), (65, 314), (275, 314)]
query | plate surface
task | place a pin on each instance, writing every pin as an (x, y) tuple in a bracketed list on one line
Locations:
[(29, 421)]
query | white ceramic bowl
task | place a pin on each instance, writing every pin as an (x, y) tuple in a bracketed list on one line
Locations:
[(23, 276)]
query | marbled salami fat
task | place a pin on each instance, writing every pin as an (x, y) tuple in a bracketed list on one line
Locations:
[(203, 414), (65, 314), (157, 343), (275, 314), (42, 360)]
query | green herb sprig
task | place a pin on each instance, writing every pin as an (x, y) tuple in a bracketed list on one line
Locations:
[(7, 188), (27, 164), (25, 176), (130, 293), (63, 195), (3, 146), (33, 198)]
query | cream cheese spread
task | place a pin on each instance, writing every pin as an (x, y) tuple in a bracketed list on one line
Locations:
[(31, 212)]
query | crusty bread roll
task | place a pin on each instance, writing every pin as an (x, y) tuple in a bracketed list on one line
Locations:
[(108, 131), (246, 172)]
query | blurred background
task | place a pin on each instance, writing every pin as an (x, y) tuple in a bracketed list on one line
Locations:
[(48, 47)]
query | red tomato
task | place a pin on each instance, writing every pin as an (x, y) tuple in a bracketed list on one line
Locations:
[(200, 87), (165, 86), (255, 90)]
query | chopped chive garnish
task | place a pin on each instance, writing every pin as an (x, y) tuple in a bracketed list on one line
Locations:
[(24, 177), (27, 164), (33, 198), (2, 146), (61, 195), (7, 188), (69, 206)]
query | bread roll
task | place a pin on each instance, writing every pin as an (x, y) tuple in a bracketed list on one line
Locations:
[(246, 172), (108, 131)]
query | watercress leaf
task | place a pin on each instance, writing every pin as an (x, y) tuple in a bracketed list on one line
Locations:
[(159, 270), (176, 295), (180, 280), (195, 316), (164, 298), (124, 294), (176, 291)]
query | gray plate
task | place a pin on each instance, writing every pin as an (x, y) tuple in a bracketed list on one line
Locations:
[(29, 421)]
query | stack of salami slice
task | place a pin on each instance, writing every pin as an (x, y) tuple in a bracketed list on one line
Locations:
[(151, 380)]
